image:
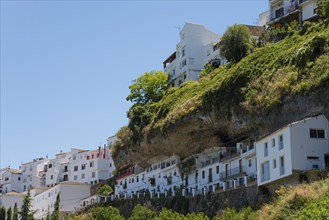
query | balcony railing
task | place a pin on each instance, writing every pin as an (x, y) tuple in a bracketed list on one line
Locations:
[(232, 153), (233, 172)]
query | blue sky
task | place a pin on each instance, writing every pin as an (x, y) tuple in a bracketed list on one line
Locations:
[(66, 65)]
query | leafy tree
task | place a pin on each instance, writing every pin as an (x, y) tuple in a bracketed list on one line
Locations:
[(149, 87), (197, 216), (323, 8), (141, 213), (167, 214), (48, 216), (15, 212), (105, 190), (2, 212), (55, 215), (236, 43), (25, 212), (9, 214), (105, 213)]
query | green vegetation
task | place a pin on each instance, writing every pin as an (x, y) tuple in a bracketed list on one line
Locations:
[(149, 87), (15, 212), (105, 213), (323, 8), (9, 214), (25, 212), (297, 65), (105, 190), (141, 213), (236, 43), (2, 212), (55, 215)]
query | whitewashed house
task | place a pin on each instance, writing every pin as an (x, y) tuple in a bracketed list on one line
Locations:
[(11, 180), (90, 166), (195, 49), (57, 170), (299, 146), (32, 174), (286, 11)]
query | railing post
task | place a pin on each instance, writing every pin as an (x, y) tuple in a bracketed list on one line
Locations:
[(245, 180), (224, 185)]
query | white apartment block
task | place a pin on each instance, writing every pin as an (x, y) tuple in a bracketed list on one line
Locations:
[(43, 199), (111, 140), (285, 11), (197, 46), (91, 166), (299, 146)]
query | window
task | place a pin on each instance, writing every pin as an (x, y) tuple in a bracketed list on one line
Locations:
[(19, 179), (83, 176), (91, 164), (274, 163), (110, 164), (281, 142), (183, 52), (282, 165), (250, 163), (93, 174), (76, 168), (51, 177), (273, 142), (75, 177), (183, 63), (203, 174), (159, 175), (317, 133), (217, 169), (7, 179), (137, 179), (50, 166), (279, 13), (312, 158), (83, 166), (265, 171), (265, 150), (184, 76)]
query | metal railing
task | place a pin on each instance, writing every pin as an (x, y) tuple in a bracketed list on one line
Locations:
[(233, 172)]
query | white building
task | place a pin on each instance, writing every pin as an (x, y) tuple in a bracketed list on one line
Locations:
[(11, 180), (299, 146), (197, 46), (111, 140), (286, 11), (32, 174), (91, 166), (264, 18), (43, 199)]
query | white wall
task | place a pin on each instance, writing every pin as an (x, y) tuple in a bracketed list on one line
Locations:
[(303, 146), (274, 154), (308, 9)]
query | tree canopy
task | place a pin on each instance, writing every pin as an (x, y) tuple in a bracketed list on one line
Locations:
[(149, 87), (25, 212), (236, 43)]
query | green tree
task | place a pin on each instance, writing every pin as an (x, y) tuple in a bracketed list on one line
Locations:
[(25, 212), (105, 190), (2, 212), (141, 213), (236, 43), (15, 212), (323, 8), (149, 87), (197, 216), (105, 213), (9, 214), (48, 216), (55, 215), (167, 214)]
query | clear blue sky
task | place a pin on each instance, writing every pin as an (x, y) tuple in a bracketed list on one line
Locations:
[(66, 65)]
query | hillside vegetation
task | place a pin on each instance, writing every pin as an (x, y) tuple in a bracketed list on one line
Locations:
[(258, 84)]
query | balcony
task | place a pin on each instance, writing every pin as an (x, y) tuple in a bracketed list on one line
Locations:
[(231, 154), (232, 173)]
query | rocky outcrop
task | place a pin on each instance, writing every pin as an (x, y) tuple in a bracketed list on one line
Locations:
[(206, 129)]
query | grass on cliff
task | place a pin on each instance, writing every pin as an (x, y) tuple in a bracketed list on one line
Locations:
[(257, 84), (302, 202)]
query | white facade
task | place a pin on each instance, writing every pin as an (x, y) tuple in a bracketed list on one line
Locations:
[(308, 9), (91, 166), (43, 199), (292, 149), (195, 49), (264, 18), (111, 140), (299, 10), (11, 181), (31, 174)]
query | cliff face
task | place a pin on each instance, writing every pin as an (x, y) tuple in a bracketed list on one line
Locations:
[(202, 130), (270, 88)]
